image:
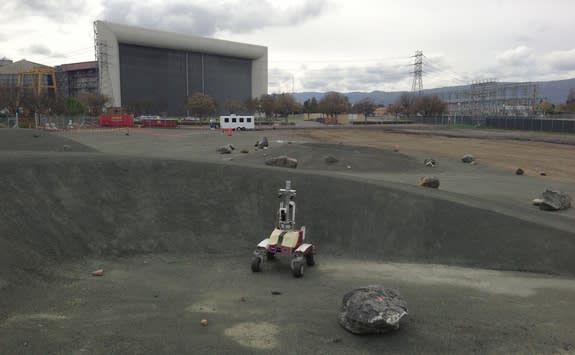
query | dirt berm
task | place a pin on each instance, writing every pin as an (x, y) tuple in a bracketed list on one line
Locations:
[(67, 207)]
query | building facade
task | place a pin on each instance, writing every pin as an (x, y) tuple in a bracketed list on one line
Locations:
[(153, 72), (75, 78)]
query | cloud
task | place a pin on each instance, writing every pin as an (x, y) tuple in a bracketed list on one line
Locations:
[(55, 10), (37, 49), (341, 78), (561, 60), (208, 18), (518, 56)]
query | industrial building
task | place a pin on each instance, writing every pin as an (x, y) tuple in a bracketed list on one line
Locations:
[(27, 77), (75, 78), (153, 72)]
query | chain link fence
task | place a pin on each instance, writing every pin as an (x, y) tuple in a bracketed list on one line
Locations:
[(544, 124)]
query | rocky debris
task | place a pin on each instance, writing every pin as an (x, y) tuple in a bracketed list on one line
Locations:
[(99, 272), (430, 162), (543, 173), (372, 309), (276, 293), (244, 151), (224, 149), (204, 322), (243, 299), (282, 161), (468, 158), (231, 146), (396, 149), (519, 171), (555, 201), (330, 159), (66, 148), (349, 166), (429, 181), (537, 201), (36, 135), (262, 143)]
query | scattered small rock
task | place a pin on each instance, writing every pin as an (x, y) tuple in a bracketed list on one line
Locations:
[(276, 293), (472, 163), (66, 148), (127, 133), (543, 173), (36, 135), (372, 309), (231, 146), (224, 150), (282, 161), (243, 299), (519, 171), (430, 162), (555, 201), (289, 142), (396, 149), (349, 166), (244, 151), (468, 158), (330, 159), (429, 181), (204, 322), (262, 143), (99, 272), (336, 340)]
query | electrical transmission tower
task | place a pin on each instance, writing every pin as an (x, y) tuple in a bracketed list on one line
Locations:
[(417, 85)]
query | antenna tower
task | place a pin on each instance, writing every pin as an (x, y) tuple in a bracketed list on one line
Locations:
[(417, 86)]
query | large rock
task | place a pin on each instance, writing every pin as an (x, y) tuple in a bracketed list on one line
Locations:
[(429, 181), (262, 143), (282, 161), (555, 201), (468, 158), (372, 309)]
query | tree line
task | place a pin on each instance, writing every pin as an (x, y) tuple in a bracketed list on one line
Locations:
[(26, 103)]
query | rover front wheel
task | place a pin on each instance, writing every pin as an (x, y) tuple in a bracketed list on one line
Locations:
[(256, 264)]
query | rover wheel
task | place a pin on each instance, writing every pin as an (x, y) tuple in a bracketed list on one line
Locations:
[(297, 268), (309, 259), (256, 264)]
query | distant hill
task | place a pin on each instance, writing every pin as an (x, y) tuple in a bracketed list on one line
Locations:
[(555, 91)]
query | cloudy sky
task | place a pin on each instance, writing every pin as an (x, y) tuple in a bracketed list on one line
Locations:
[(323, 45)]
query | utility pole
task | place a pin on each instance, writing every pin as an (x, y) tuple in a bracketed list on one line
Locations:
[(417, 86)]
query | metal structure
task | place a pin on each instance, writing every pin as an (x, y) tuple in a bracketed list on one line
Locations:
[(39, 80), (417, 85), (285, 239), (488, 98), (103, 59)]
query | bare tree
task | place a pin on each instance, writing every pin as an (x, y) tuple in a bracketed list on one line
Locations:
[(234, 106), (201, 104), (333, 103), (365, 106)]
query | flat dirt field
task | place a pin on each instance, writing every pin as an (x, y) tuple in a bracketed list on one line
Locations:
[(173, 224)]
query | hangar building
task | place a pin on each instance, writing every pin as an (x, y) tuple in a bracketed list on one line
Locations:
[(152, 72)]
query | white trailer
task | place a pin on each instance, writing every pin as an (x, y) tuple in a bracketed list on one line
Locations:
[(237, 122)]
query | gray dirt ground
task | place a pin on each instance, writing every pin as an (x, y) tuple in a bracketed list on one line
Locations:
[(152, 304)]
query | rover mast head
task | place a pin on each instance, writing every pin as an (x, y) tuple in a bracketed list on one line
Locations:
[(286, 211)]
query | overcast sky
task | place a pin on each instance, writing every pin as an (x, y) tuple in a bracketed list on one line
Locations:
[(324, 45)]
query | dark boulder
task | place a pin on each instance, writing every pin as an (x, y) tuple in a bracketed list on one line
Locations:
[(372, 310), (468, 158), (519, 171), (330, 159), (282, 161), (429, 181)]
